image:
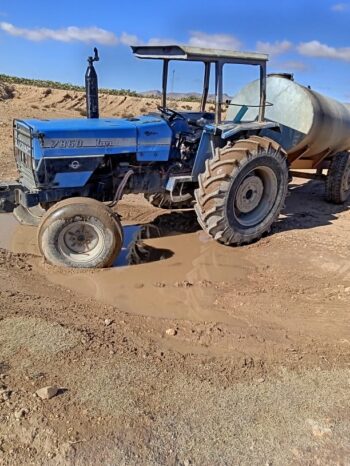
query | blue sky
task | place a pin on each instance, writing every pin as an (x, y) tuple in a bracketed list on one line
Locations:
[(51, 40)]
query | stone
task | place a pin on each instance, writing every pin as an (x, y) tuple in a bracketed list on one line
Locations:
[(187, 284), (108, 322), (5, 394), (183, 284), (46, 393), (159, 284), (21, 413), (319, 430), (171, 332)]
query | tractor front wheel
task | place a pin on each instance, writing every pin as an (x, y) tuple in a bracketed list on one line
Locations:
[(243, 190), (81, 233)]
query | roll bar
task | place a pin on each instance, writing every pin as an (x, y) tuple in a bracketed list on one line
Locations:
[(218, 58)]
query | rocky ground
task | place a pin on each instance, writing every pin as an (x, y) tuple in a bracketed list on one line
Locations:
[(212, 356)]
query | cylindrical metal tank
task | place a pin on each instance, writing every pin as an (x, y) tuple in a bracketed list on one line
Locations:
[(309, 121)]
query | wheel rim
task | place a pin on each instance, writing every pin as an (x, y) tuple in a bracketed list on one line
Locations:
[(255, 196), (80, 241)]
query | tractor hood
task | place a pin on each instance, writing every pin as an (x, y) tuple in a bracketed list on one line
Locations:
[(148, 136)]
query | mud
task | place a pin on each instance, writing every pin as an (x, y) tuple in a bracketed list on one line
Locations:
[(181, 287), (177, 276), (17, 238)]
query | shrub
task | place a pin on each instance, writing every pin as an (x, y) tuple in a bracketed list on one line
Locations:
[(6, 92)]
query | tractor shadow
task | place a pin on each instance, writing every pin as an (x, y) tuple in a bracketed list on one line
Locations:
[(135, 250), (307, 208)]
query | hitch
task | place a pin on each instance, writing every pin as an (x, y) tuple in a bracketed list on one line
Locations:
[(8, 196)]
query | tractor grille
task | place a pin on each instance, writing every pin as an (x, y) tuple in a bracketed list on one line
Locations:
[(23, 149)]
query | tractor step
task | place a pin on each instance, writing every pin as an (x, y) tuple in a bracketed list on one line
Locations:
[(8, 195), (29, 215)]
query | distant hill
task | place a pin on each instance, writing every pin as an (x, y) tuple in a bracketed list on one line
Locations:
[(188, 96), (155, 93)]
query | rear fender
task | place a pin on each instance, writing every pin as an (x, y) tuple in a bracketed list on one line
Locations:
[(233, 130), (217, 136)]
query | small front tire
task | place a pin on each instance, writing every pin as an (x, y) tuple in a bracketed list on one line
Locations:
[(80, 233)]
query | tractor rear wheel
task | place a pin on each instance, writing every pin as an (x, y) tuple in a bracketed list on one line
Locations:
[(81, 233), (242, 191), (338, 179), (164, 201)]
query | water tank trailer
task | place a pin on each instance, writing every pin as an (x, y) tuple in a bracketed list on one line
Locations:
[(233, 170)]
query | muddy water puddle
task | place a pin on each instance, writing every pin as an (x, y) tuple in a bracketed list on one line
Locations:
[(15, 237), (172, 276), (181, 286)]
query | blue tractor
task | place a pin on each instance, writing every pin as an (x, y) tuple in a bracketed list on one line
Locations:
[(73, 172)]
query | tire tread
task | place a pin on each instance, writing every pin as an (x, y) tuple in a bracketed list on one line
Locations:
[(214, 183)]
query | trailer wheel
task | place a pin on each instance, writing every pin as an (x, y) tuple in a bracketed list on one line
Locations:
[(164, 201), (242, 191), (81, 233), (338, 179)]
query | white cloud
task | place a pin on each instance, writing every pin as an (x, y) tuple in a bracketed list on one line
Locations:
[(75, 34), (196, 39), (200, 39), (160, 41), (217, 41), (339, 7), (129, 39), (317, 49), (293, 65), (101, 36), (274, 48), (69, 34)]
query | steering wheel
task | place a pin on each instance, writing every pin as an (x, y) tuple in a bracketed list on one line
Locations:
[(170, 113)]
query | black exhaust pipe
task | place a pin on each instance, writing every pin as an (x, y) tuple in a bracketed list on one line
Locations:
[(91, 87)]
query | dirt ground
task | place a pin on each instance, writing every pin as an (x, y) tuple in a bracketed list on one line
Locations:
[(201, 355)]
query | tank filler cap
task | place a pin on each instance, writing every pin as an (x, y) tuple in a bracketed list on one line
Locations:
[(289, 76)]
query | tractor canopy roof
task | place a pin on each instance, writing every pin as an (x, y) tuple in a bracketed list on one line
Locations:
[(187, 53)]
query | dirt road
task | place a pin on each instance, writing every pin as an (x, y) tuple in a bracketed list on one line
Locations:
[(203, 355)]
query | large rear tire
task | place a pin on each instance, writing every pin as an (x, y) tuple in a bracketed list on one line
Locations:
[(81, 233), (338, 179), (242, 191)]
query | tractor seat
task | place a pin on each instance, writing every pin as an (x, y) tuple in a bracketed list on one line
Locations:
[(206, 118)]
